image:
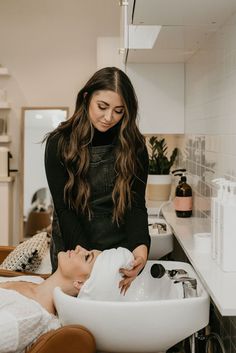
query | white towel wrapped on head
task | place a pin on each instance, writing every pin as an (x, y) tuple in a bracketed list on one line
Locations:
[(103, 283)]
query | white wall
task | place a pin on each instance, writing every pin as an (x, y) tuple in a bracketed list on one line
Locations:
[(160, 89), (108, 52), (49, 48)]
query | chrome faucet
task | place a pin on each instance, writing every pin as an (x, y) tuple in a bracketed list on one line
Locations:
[(178, 276), (189, 286)]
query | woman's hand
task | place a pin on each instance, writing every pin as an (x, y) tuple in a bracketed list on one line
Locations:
[(140, 258), (130, 275)]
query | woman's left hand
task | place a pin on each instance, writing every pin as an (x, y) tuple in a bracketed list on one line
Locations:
[(130, 275)]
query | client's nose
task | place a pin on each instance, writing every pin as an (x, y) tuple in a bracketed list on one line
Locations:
[(80, 248)]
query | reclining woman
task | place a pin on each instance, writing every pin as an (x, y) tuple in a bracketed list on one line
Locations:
[(26, 302), (27, 309)]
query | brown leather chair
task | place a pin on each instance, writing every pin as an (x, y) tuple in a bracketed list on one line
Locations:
[(66, 339)]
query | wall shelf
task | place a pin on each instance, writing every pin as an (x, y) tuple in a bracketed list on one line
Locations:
[(7, 179), (4, 71), (5, 105), (5, 138)]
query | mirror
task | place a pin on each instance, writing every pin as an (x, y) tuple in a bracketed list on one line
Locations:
[(36, 205)]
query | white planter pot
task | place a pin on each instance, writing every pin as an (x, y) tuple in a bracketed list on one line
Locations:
[(159, 187)]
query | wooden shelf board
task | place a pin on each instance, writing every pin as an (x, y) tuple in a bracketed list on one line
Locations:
[(5, 138)]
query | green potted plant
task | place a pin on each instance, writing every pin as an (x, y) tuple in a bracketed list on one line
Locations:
[(159, 178)]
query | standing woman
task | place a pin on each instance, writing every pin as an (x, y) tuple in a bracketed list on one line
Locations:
[(96, 165)]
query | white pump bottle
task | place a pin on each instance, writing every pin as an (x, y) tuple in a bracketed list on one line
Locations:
[(215, 218), (228, 236)]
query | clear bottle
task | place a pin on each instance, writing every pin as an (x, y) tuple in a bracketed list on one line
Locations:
[(183, 201)]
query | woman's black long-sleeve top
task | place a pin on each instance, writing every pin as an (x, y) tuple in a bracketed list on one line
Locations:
[(71, 227)]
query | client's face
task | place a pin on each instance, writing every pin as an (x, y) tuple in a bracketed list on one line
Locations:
[(77, 263)]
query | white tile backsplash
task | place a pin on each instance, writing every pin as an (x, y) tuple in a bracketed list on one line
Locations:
[(209, 145)]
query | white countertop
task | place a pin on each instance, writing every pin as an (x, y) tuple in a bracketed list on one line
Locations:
[(9, 179), (220, 285)]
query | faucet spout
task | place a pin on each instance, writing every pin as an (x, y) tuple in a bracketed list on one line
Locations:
[(189, 286)]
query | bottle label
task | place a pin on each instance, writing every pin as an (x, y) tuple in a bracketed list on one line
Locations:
[(184, 203)]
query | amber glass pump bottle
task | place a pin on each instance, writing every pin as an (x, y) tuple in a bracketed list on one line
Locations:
[(183, 198)]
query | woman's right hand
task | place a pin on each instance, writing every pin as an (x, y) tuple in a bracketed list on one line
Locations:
[(130, 275)]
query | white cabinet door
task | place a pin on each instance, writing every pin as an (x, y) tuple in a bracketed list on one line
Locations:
[(160, 91)]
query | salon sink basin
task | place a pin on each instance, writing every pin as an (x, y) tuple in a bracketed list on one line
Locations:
[(153, 316), (161, 238)]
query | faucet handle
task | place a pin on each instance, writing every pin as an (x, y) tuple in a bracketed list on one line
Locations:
[(176, 272), (192, 281)]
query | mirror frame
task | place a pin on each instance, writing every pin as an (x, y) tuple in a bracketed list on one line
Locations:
[(21, 161)]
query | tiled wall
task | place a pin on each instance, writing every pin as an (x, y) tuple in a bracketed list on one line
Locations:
[(209, 146)]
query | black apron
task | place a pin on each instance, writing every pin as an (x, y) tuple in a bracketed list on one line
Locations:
[(102, 233)]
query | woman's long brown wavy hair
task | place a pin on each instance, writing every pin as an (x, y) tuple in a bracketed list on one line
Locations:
[(77, 132)]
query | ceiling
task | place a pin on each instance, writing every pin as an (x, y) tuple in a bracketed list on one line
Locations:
[(186, 24), (74, 24)]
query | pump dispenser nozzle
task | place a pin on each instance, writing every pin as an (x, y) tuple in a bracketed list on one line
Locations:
[(182, 170)]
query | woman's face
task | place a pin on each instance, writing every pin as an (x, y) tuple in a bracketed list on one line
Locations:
[(106, 109), (78, 263)]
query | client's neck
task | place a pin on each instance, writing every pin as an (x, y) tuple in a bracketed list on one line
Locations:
[(44, 291)]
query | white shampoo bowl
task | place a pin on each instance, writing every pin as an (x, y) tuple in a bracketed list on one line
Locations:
[(153, 317), (161, 244)]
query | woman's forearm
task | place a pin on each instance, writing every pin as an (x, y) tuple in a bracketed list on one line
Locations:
[(141, 251)]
